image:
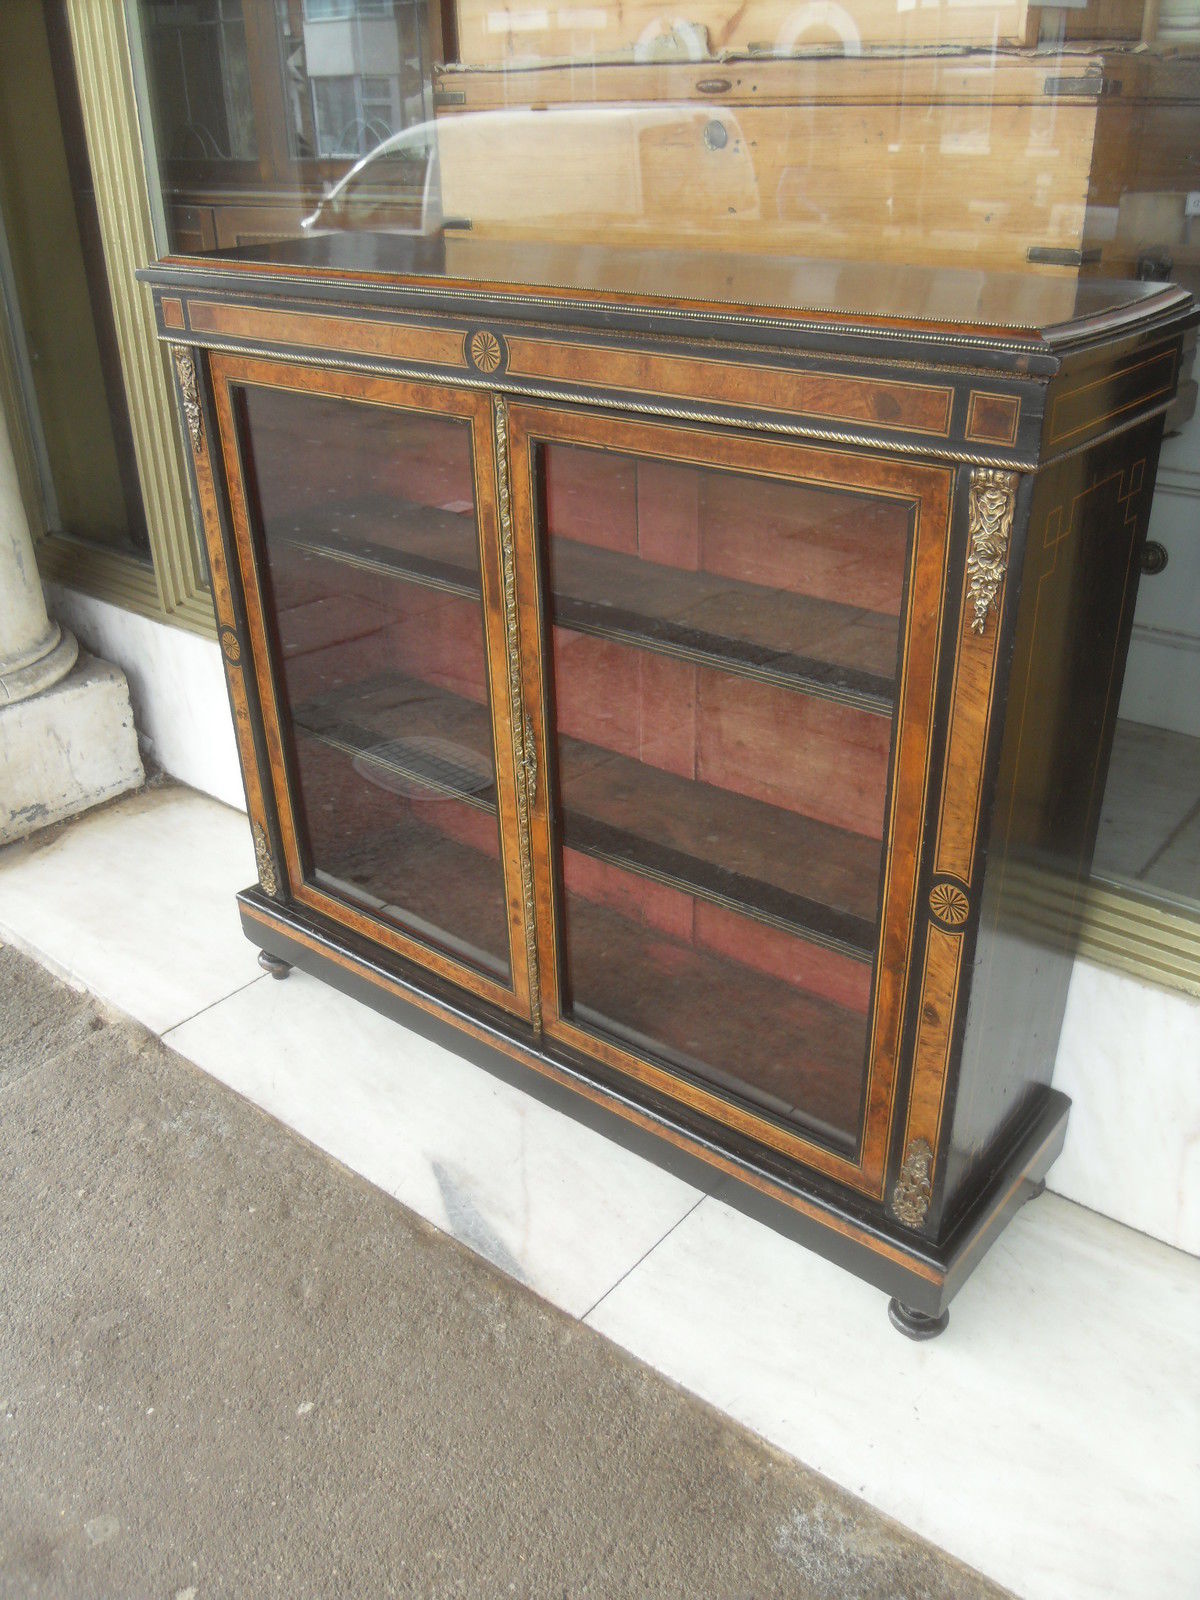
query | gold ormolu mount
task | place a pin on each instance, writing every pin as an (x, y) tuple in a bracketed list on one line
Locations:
[(265, 861), (524, 750), (993, 499), (185, 367), (910, 1197)]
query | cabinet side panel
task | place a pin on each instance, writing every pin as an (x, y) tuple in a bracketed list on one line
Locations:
[(1078, 588)]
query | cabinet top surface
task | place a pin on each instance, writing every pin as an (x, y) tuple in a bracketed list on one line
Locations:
[(657, 287)]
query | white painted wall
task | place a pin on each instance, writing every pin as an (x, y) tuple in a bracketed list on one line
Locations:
[(176, 685), (1129, 1058)]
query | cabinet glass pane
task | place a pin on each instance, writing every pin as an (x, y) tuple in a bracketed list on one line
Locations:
[(724, 664), (366, 517)]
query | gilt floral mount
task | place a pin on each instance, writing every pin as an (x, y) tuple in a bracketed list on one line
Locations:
[(989, 521)]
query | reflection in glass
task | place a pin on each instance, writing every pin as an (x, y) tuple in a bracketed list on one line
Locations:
[(992, 139), (723, 723), (367, 522), (61, 320), (1149, 834), (200, 70), (257, 107)]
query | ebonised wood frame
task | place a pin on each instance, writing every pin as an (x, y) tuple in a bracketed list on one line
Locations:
[(1027, 460)]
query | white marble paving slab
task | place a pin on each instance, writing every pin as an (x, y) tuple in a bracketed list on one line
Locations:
[(546, 1199), (1051, 1437), (135, 901), (1129, 1057)]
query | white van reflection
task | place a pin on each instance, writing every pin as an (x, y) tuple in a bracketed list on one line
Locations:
[(518, 172)]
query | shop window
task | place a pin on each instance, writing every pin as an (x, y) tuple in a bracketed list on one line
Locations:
[(61, 333)]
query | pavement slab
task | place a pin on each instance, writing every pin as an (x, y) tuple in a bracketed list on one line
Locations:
[(229, 1366)]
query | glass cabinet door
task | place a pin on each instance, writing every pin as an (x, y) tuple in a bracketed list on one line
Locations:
[(371, 565), (722, 625)]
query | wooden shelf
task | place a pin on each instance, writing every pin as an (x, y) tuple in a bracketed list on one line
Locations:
[(420, 544), (837, 652), (435, 740), (777, 866), (791, 1053), (766, 862), (788, 1052), (430, 885)]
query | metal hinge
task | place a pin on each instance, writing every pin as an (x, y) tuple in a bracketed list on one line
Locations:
[(1048, 255), (1090, 86)]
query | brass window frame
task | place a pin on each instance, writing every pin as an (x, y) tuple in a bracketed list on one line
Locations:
[(173, 587), (1113, 925)]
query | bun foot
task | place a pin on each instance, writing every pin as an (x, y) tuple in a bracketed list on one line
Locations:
[(272, 964), (916, 1324)]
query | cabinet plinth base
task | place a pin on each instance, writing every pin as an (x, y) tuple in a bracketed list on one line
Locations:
[(277, 967), (915, 1324)]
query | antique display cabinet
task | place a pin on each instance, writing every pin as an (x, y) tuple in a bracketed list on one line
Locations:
[(670, 671)]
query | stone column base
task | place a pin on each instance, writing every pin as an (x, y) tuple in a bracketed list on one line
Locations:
[(66, 749), (56, 656)]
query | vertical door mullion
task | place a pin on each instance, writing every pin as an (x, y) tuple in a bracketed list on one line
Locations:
[(494, 502), (534, 667)]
